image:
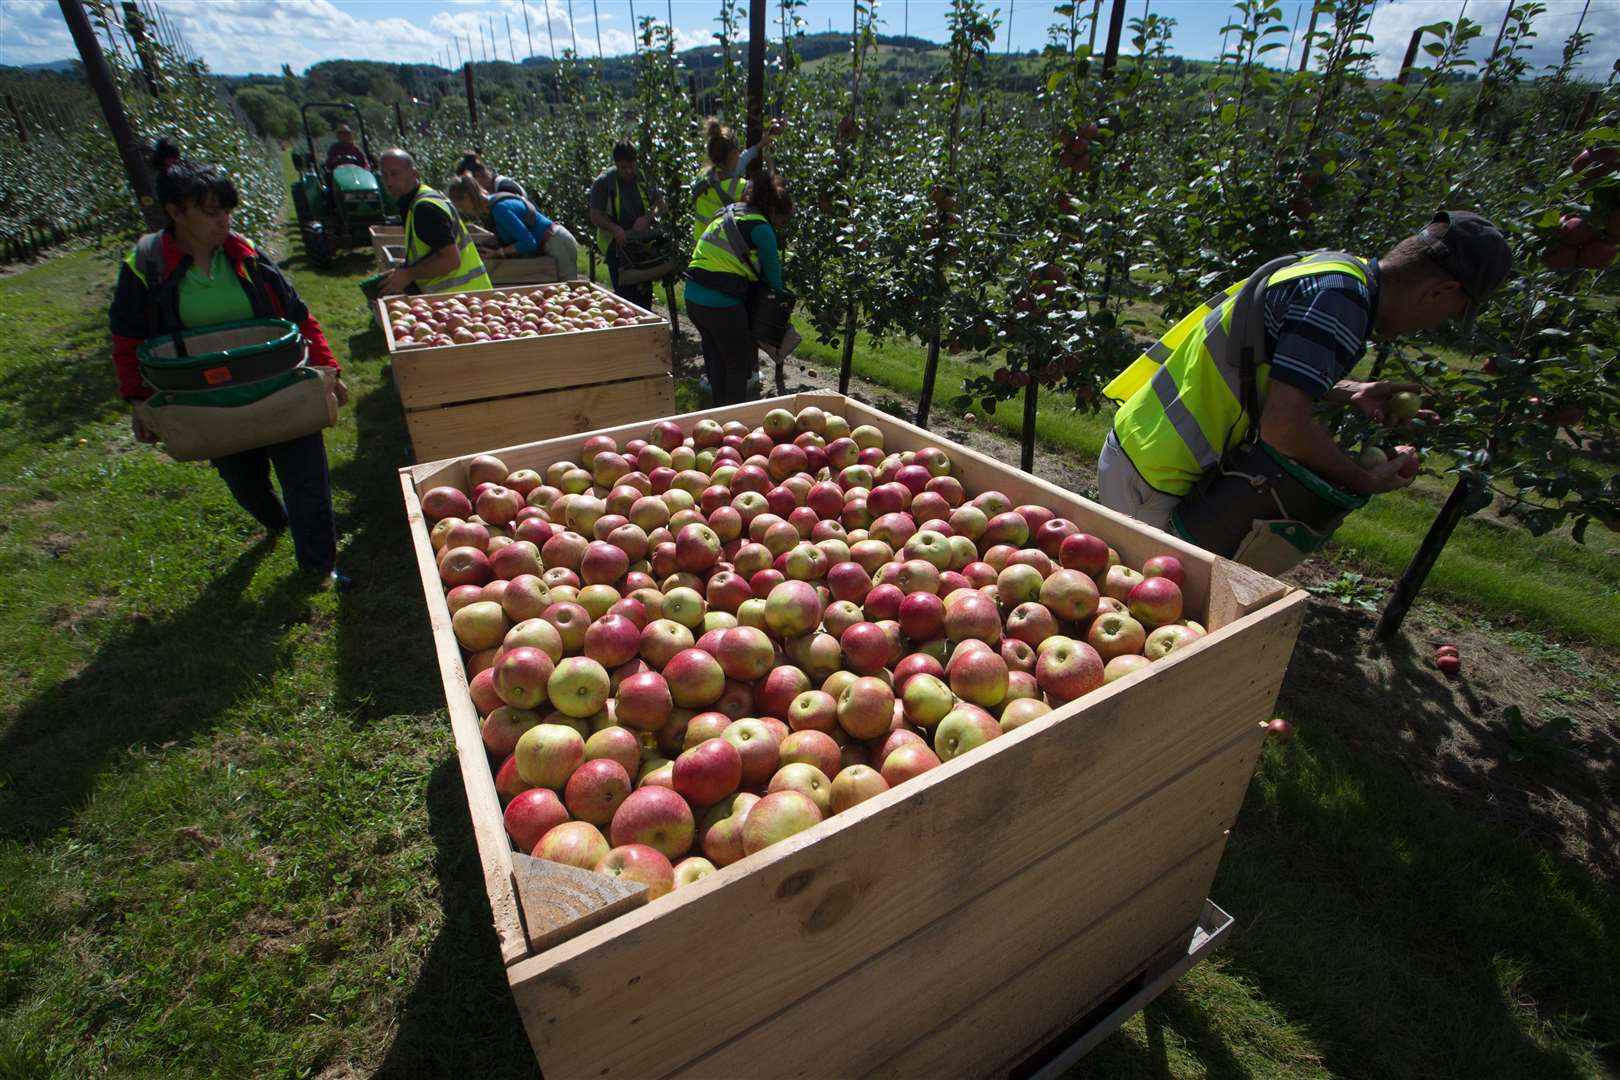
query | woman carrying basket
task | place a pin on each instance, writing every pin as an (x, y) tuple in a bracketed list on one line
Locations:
[(197, 274), (739, 250)]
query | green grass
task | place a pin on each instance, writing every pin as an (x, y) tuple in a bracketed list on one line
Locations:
[(234, 840)]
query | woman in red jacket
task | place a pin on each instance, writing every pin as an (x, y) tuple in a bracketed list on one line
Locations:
[(198, 273)]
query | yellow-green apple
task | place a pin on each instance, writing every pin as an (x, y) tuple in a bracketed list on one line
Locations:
[(662, 639), (1068, 671), (792, 609), (757, 747), (480, 626), (571, 621), (1009, 527), (1085, 553), (854, 784), (813, 710), (721, 840), (573, 843), (578, 687), (774, 694), (1166, 566), (808, 747), (615, 743), (866, 708), (695, 678), (973, 615), (704, 726), (964, 729), (530, 815), (839, 681), (1070, 595), (908, 760), (685, 606), (1119, 580), (526, 597), (1021, 711), (503, 727), (656, 816), (1021, 684), (1166, 639), (978, 676), (926, 699), (691, 869), (1114, 634), (523, 676), (596, 789), (1155, 601), (776, 817), (640, 864), (744, 653), (803, 777), (840, 616), (644, 701), (548, 754), (1120, 666), (1031, 623)]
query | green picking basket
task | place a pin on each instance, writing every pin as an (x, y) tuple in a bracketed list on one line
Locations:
[(214, 357)]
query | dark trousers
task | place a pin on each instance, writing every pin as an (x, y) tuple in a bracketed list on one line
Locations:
[(729, 351), (641, 294), (305, 485)]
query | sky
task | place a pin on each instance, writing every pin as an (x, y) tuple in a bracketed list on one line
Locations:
[(247, 36)]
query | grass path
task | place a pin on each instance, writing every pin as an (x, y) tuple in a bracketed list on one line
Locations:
[(234, 839)]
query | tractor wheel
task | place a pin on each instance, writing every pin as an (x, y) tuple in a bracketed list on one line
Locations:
[(301, 203), (317, 245)]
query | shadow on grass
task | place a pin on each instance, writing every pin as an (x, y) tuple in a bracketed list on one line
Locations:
[(58, 392), (460, 1018), (153, 683)]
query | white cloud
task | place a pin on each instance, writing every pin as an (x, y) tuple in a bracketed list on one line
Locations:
[(1394, 21)]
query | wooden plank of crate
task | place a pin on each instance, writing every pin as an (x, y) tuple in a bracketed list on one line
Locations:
[(493, 369), (1060, 984), (1056, 777), (1072, 889), (483, 804), (511, 421), (520, 271), (559, 901)]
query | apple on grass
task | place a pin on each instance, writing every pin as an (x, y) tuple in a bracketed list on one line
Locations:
[(776, 817), (656, 816), (531, 814), (641, 864)]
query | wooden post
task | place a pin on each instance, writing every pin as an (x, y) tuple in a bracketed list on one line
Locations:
[(106, 91), (674, 312), (399, 120), (1587, 109), (135, 26), (16, 118), (1026, 448), (1490, 66), (1310, 32), (756, 70), (1116, 23), (930, 370), (1411, 57), (472, 99), (1417, 571), (1096, 11), (848, 361)]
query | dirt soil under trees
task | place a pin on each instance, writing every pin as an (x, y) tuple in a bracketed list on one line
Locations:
[(1527, 736)]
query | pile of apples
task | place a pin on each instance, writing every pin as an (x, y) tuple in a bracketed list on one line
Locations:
[(697, 644), (464, 318)]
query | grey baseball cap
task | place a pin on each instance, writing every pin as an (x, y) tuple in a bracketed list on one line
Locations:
[(1470, 249)]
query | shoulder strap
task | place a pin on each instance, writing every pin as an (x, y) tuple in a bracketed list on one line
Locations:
[(149, 259), (734, 234), (1246, 340)]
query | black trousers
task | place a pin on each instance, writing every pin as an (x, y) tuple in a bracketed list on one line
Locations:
[(306, 486), (729, 350), (640, 294)]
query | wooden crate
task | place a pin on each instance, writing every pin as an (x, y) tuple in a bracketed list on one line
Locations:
[(955, 924), (461, 399), (388, 241)]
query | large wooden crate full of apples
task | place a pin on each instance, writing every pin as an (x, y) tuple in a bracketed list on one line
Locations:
[(388, 242), (574, 369), (951, 923)]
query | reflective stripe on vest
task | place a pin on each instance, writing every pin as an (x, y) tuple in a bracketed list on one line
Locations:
[(603, 239), (1181, 401), (724, 259), (469, 274), (713, 194)]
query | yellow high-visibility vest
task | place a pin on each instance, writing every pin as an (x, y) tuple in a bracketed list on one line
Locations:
[(469, 275)]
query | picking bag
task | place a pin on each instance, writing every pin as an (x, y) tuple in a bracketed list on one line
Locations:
[(196, 425), (220, 356)]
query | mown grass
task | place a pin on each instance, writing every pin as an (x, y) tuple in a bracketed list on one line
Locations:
[(234, 839)]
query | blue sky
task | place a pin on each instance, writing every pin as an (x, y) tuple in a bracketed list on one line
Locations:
[(241, 36)]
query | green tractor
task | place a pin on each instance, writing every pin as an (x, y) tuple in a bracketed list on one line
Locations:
[(337, 206)]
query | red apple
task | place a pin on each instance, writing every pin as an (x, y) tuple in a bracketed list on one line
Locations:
[(641, 864), (530, 815), (1069, 670), (708, 772), (854, 785), (644, 701), (806, 778), (809, 747), (962, 730), (757, 747), (1085, 553), (973, 616), (615, 743), (774, 694), (445, 502), (695, 678), (503, 727), (813, 710), (656, 816), (1155, 601), (1166, 566), (596, 789), (912, 759), (978, 676)]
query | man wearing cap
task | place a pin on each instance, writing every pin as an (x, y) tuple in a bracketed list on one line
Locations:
[(344, 151), (1274, 345)]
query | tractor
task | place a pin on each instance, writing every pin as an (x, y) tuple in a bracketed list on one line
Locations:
[(338, 206)]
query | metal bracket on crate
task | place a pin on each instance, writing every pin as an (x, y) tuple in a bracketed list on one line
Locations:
[(1058, 1057)]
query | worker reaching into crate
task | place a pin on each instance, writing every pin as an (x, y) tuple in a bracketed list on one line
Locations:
[(440, 255), (1215, 437), (220, 360), (625, 209), (521, 230)]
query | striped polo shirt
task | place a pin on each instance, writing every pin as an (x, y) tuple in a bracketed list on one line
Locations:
[(1317, 329)]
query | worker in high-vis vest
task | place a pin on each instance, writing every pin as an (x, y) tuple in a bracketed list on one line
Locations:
[(440, 255), (1215, 437), (723, 181), (741, 249), (623, 204)]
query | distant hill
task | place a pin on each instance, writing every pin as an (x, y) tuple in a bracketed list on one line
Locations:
[(58, 66)]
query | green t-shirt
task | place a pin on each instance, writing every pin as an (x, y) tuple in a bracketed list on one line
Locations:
[(212, 299)]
